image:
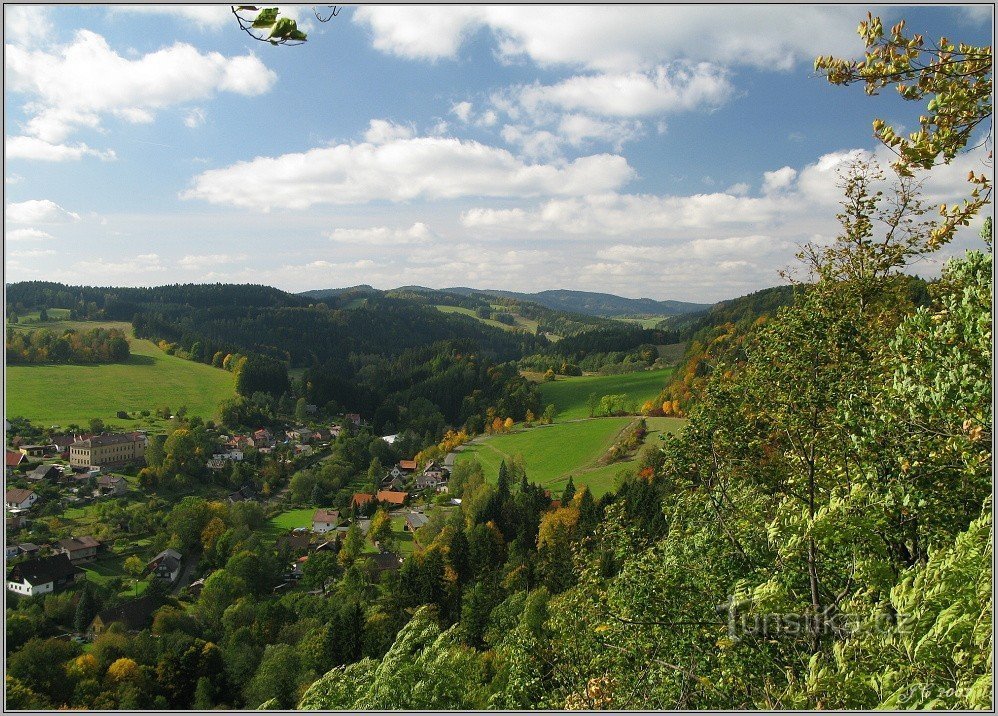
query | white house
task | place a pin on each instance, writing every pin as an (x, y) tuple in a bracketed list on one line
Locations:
[(19, 499), (42, 575), (325, 520)]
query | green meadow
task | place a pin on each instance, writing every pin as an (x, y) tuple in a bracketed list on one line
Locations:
[(569, 394), (150, 379), (522, 323), (552, 453)]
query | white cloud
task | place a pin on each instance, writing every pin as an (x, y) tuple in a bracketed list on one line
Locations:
[(27, 235), (38, 211), (418, 233), (195, 118), (24, 147), (462, 110), (679, 87), (13, 179), (779, 180), (209, 17), (127, 268), (31, 253), (73, 85), (26, 24), (381, 131), (401, 170), (615, 38)]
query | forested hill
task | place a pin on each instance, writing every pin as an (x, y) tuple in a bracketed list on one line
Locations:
[(297, 330), (580, 302)]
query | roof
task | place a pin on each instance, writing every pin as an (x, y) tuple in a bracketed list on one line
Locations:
[(385, 561), (135, 614), (407, 464), (168, 557), (75, 543), (324, 515), (14, 458), (108, 439), (109, 480), (44, 471), (42, 570), (415, 520), (361, 498), (17, 494), (392, 497)]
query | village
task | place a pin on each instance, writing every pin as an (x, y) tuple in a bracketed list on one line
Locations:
[(58, 488)]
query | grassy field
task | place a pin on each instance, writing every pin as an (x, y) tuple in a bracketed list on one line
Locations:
[(647, 322), (150, 379), (553, 453), (569, 394), (526, 324), (287, 521)]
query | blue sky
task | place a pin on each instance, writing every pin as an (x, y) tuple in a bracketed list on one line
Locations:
[(669, 152)]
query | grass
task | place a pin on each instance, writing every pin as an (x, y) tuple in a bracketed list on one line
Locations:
[(289, 520), (569, 394), (522, 323), (150, 379), (553, 453), (647, 322)]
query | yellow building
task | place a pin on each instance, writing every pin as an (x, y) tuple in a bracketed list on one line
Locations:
[(109, 449)]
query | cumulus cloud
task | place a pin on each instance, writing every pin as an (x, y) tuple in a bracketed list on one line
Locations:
[(418, 233), (462, 110), (127, 268), (26, 24), (24, 147), (401, 170), (381, 131), (207, 17), (615, 38), (38, 211), (77, 84), (778, 180)]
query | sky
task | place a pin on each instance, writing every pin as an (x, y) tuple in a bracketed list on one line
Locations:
[(669, 152)]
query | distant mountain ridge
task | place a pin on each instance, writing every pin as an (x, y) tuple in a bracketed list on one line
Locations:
[(585, 302)]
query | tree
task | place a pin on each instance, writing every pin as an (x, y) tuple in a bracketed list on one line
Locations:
[(353, 545), (301, 410), (549, 413), (957, 79), (569, 492), (43, 315), (380, 531), (277, 677), (86, 610), (319, 568)]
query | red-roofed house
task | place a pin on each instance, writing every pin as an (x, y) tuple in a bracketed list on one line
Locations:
[(391, 497), (361, 499), (325, 520)]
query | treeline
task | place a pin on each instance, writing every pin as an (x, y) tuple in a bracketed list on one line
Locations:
[(97, 345)]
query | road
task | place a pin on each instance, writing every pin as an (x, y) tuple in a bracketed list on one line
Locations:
[(186, 574)]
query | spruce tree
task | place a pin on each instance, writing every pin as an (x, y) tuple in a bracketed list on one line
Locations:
[(569, 493)]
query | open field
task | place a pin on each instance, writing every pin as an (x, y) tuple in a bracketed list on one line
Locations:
[(552, 453), (647, 322), (287, 521), (526, 324), (569, 394), (150, 379)]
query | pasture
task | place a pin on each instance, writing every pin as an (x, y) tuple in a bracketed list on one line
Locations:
[(569, 394), (553, 453), (149, 380), (522, 324)]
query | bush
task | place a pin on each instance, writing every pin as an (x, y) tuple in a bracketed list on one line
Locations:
[(122, 415)]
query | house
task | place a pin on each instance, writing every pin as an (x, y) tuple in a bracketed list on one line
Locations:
[(325, 520), (353, 418), (215, 463), (79, 549), (300, 435), (402, 470), (29, 549), (196, 587), (166, 565), (301, 449), (414, 520), (14, 458), (334, 431), (19, 499), (135, 615), (242, 494), (263, 438), (390, 439), (238, 441), (42, 575), (296, 541), (44, 472), (112, 485), (108, 449), (322, 435), (15, 522), (11, 551), (361, 500), (378, 564), (35, 450), (390, 497), (435, 475)]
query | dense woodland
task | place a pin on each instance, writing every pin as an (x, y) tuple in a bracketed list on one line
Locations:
[(96, 345), (819, 535)]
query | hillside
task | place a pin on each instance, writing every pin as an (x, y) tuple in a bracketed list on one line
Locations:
[(149, 380), (592, 304)]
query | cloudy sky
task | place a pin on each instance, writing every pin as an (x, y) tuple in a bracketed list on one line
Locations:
[(669, 152)]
